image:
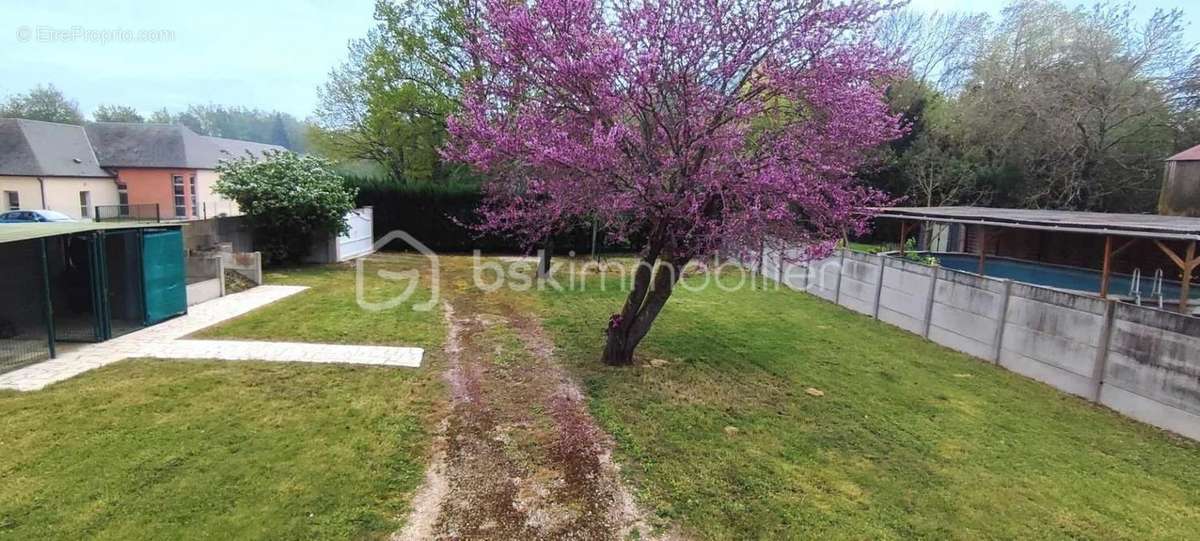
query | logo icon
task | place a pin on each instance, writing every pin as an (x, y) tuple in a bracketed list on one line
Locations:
[(412, 276)]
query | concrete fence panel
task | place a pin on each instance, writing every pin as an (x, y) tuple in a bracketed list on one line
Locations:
[(1053, 337), (823, 278), (902, 302), (1142, 362), (1153, 368), (859, 277), (966, 312), (248, 264), (205, 278)]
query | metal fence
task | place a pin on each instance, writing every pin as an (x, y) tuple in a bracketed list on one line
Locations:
[(142, 212), (218, 209), (24, 326)]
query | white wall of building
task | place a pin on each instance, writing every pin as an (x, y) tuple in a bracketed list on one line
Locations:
[(209, 203), (28, 193), (62, 193)]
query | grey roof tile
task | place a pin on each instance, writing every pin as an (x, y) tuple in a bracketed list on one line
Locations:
[(36, 148), (120, 144)]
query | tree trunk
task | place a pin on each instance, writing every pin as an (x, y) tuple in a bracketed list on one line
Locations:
[(546, 255), (652, 286)]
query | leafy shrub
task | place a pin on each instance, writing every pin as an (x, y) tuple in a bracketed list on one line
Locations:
[(288, 199), (911, 254), (441, 215)]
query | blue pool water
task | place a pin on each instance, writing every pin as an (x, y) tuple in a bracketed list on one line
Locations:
[(1043, 274)]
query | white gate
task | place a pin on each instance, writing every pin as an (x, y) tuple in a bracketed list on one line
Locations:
[(360, 238), (357, 241)]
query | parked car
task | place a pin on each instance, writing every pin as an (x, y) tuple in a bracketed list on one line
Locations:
[(28, 216)]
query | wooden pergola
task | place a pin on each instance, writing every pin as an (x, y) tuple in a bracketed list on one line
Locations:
[(1120, 231)]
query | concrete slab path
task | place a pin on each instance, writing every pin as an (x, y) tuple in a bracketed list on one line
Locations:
[(165, 341), (234, 350)]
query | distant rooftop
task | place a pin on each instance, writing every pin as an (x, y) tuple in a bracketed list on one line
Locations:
[(1189, 155), (122, 144), (1100, 223), (46, 149)]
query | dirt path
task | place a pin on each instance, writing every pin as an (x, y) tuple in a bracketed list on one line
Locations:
[(519, 456)]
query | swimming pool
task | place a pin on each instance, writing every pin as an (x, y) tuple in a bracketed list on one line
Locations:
[(1058, 276)]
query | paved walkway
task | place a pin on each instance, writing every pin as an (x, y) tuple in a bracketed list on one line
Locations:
[(165, 341), (232, 350)]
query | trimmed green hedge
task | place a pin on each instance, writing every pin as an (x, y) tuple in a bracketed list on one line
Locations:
[(440, 215)]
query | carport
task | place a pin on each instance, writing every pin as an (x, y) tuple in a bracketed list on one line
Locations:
[(84, 282), (1068, 242)]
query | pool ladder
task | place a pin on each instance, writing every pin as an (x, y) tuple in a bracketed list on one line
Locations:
[(1156, 290)]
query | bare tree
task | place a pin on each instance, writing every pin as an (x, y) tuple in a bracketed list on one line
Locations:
[(1079, 100), (937, 47), (939, 177)]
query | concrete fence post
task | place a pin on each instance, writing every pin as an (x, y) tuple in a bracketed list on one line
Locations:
[(837, 287), (933, 280), (1105, 343), (1001, 319), (780, 258), (762, 256), (879, 285), (221, 273)]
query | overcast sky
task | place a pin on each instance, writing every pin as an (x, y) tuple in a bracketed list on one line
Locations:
[(265, 54)]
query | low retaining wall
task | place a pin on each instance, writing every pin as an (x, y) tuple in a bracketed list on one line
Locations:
[(202, 235), (204, 291), (205, 278), (248, 264), (1140, 361)]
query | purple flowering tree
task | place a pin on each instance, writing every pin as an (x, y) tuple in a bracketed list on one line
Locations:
[(698, 125)]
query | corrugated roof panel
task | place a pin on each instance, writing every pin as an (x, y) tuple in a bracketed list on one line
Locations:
[(20, 232), (1131, 225)]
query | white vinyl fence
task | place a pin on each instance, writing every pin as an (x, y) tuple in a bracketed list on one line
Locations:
[(357, 242), (1140, 361)]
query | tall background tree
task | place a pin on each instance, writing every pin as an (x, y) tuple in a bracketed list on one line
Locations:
[(697, 125), (235, 122), (1046, 107), (271, 127), (42, 103), (117, 113), (1076, 103), (388, 102)]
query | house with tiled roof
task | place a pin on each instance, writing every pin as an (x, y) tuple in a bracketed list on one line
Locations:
[(116, 166), (45, 165), (169, 165)]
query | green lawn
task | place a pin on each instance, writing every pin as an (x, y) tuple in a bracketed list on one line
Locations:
[(866, 248), (329, 310), (148, 449), (236, 450), (909, 440)]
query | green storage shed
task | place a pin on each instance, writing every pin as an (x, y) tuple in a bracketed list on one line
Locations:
[(84, 282)]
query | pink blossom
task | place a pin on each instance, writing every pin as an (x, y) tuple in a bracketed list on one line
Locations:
[(699, 125)]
